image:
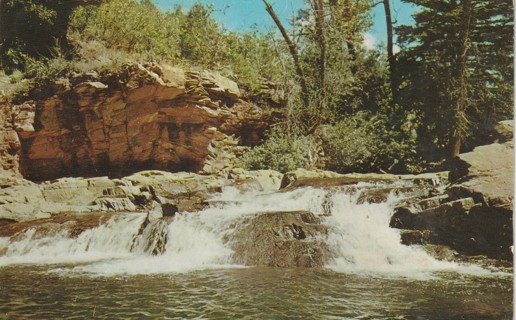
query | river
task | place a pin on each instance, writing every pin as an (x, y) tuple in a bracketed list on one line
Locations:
[(102, 274)]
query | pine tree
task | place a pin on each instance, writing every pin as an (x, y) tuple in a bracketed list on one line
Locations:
[(456, 71)]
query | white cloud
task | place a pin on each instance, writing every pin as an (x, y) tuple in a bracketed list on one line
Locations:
[(396, 48), (369, 41)]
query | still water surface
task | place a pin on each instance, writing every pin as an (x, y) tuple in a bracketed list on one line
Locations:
[(38, 292)]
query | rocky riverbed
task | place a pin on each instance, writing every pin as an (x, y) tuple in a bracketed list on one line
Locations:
[(461, 220), (94, 146)]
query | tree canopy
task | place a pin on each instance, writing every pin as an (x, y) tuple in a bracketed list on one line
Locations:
[(363, 109), (33, 29), (456, 69)]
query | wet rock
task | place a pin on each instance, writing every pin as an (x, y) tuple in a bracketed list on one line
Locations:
[(314, 178), (444, 216), (491, 232), (467, 227), (281, 239), (441, 252), (408, 194), (68, 224), (153, 239), (191, 202), (169, 210), (411, 237)]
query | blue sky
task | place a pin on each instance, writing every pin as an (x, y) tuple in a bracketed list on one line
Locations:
[(244, 14)]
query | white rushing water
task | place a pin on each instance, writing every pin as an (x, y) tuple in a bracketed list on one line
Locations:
[(108, 241), (359, 237)]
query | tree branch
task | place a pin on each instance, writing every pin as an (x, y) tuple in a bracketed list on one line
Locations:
[(293, 51)]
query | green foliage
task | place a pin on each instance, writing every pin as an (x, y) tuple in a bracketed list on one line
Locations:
[(279, 152), (131, 26), (254, 59), (30, 29), (201, 39), (334, 62), (362, 143), (456, 69)]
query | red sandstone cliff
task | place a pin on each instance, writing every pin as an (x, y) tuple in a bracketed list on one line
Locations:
[(143, 117)]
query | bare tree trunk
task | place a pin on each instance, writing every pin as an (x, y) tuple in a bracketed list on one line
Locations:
[(390, 50), (293, 51), (319, 33), (318, 7), (461, 121)]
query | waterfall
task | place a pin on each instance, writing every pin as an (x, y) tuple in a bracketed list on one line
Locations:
[(363, 242), (107, 241), (359, 237)]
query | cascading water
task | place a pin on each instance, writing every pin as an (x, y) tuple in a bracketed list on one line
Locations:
[(359, 237), (110, 240), (363, 242)]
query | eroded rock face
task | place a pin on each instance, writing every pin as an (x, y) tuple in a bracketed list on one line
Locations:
[(281, 239), (144, 117), (9, 142)]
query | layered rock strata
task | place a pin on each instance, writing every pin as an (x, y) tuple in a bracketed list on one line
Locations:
[(474, 216), (144, 117)]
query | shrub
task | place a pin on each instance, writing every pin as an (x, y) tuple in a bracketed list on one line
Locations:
[(132, 26), (362, 143), (281, 152)]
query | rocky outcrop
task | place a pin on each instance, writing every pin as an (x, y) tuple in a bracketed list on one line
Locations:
[(12, 118), (23, 200), (66, 224), (474, 215), (281, 239), (142, 117), (320, 178)]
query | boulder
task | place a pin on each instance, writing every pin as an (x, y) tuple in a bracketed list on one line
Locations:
[(442, 217), (411, 237), (504, 130), (486, 174), (281, 239), (474, 215)]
